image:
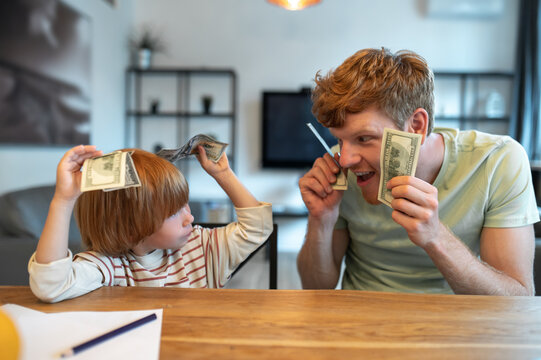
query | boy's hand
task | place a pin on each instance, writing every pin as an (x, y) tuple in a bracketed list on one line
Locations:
[(212, 168), (226, 178), (68, 172)]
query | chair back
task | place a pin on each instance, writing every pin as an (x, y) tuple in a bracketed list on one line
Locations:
[(271, 246)]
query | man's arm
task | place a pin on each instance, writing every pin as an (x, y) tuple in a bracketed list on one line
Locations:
[(319, 260), (505, 268), (321, 255)]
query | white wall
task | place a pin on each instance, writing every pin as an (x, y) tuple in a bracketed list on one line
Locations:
[(24, 166), (270, 48)]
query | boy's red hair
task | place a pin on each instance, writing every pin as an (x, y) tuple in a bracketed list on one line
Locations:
[(113, 222)]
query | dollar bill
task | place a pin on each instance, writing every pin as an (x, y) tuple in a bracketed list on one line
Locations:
[(398, 157), (341, 182), (213, 148), (109, 172)]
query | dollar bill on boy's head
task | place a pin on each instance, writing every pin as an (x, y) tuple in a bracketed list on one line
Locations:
[(109, 172)]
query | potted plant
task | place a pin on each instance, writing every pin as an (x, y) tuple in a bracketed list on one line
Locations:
[(144, 43)]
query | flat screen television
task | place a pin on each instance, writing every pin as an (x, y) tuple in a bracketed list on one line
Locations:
[(287, 141)]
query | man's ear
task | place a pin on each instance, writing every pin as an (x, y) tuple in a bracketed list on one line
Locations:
[(418, 123)]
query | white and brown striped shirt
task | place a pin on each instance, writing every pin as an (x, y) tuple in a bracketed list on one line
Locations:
[(206, 260)]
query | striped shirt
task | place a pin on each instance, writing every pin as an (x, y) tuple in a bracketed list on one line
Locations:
[(207, 260)]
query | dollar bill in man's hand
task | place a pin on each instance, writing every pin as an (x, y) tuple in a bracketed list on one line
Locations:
[(341, 182), (213, 148), (399, 156), (109, 172)]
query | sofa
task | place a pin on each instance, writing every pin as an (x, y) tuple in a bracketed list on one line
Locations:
[(22, 216)]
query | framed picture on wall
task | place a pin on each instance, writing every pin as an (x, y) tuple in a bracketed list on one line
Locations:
[(45, 52)]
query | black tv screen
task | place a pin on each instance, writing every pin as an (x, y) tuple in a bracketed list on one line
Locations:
[(287, 141)]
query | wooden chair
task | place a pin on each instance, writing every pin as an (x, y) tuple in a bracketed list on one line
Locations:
[(271, 246)]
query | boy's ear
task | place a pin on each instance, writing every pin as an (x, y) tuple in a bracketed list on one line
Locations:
[(418, 123)]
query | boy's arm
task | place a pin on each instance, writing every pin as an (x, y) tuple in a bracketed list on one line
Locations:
[(228, 181), (53, 242)]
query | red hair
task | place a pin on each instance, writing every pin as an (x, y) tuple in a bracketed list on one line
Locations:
[(396, 84), (112, 222)]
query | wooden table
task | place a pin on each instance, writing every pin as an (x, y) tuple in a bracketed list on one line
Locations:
[(333, 324)]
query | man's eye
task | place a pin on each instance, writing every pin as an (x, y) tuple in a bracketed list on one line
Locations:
[(363, 138)]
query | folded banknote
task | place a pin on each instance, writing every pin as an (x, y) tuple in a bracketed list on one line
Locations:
[(213, 148), (109, 172)]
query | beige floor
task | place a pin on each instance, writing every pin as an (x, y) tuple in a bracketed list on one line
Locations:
[(255, 274)]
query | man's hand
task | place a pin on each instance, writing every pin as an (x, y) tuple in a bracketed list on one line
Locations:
[(316, 191), (415, 207), (321, 255)]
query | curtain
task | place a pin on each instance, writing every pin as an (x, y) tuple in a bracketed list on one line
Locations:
[(525, 124)]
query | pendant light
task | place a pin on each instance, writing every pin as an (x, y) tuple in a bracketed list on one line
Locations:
[(294, 4)]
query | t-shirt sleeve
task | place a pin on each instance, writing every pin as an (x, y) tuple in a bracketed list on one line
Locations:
[(511, 200), (63, 279), (226, 247)]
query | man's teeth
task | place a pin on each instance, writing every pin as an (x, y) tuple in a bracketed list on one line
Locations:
[(362, 173)]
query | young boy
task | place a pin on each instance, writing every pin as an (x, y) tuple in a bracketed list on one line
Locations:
[(142, 236)]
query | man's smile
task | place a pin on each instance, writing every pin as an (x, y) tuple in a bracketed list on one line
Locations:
[(363, 176)]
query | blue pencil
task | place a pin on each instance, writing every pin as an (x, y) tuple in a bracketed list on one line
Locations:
[(111, 334)]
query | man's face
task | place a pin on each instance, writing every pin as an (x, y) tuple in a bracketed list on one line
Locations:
[(360, 145)]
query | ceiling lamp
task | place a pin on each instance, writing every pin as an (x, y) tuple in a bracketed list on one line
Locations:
[(294, 4)]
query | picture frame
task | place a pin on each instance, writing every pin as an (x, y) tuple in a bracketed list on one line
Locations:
[(45, 73)]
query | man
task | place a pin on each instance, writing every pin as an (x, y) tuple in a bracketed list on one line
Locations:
[(463, 224)]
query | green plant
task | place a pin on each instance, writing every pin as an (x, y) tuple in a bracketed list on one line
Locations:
[(147, 38)]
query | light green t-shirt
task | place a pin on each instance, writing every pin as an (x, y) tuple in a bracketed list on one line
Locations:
[(484, 181)]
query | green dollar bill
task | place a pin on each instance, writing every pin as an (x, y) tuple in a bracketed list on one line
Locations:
[(398, 157)]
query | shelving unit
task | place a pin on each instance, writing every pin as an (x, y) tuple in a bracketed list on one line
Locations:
[(463, 100), (164, 108)]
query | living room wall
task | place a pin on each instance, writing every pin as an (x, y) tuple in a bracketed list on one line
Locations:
[(24, 166), (274, 49), (270, 49)]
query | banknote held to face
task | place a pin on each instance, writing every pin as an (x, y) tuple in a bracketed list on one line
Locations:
[(213, 148), (398, 157)]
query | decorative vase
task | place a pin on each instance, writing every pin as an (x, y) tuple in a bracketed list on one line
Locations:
[(154, 106), (144, 58), (207, 103)]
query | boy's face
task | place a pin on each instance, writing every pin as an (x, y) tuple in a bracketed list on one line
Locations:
[(360, 145), (173, 234)]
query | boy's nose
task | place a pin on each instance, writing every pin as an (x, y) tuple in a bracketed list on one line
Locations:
[(188, 219)]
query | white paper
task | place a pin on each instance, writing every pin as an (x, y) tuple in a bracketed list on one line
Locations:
[(47, 335)]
